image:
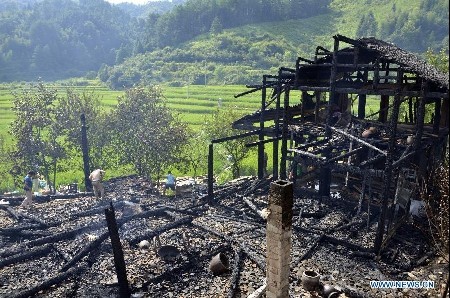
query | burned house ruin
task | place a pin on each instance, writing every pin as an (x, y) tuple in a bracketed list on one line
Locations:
[(343, 217), (327, 127)]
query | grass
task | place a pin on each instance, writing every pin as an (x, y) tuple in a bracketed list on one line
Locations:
[(192, 103)]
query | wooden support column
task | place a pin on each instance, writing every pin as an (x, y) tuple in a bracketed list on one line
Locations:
[(361, 106), (284, 134), (278, 237), (384, 109), (325, 171), (119, 261), (277, 128), (261, 161), (316, 107), (388, 175), (420, 157), (437, 116), (85, 150), (444, 114), (210, 173)]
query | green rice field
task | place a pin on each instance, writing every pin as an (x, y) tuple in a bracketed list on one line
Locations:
[(193, 103)]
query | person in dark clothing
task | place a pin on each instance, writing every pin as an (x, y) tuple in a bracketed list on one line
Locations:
[(28, 186)]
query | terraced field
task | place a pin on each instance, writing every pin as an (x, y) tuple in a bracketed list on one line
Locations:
[(193, 103)]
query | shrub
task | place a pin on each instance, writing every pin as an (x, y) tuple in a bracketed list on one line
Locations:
[(434, 193)]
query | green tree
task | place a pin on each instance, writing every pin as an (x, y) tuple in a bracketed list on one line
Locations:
[(368, 26), (216, 26), (219, 125), (195, 153), (439, 60), (38, 138), (68, 114), (146, 135)]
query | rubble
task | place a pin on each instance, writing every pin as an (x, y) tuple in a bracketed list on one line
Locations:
[(74, 258)]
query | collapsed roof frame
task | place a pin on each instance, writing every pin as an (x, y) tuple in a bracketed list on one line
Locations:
[(366, 67)]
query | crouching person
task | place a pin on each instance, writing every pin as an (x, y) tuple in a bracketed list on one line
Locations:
[(96, 178)]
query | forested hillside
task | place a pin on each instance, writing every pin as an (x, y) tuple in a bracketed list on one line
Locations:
[(197, 41)]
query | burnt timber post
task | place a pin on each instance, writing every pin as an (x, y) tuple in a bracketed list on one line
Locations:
[(85, 150), (210, 172), (277, 128), (419, 130), (119, 261), (284, 133), (261, 133), (437, 116), (384, 106), (278, 237), (325, 171), (361, 106), (386, 190)]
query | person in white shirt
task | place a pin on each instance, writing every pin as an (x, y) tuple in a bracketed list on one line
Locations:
[(170, 182), (96, 178)]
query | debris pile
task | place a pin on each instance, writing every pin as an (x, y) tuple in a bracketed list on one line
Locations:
[(61, 247)]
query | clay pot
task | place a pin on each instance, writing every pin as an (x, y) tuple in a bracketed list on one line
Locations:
[(327, 290), (310, 280), (333, 295), (219, 264)]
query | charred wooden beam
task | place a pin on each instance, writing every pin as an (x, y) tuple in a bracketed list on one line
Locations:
[(235, 274), (403, 159), (228, 218), (345, 155), (160, 230), (313, 246), (98, 241), (16, 230), (14, 213), (50, 239), (84, 251), (33, 253), (85, 150), (239, 136), (261, 133), (92, 211), (259, 142), (357, 140), (263, 86), (259, 292), (356, 170), (372, 160), (284, 134), (307, 154), (210, 172), (334, 240), (119, 261), (275, 165), (257, 184), (253, 207), (194, 259), (388, 170), (258, 260), (75, 271)]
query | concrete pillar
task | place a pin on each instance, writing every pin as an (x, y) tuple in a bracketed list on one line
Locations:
[(278, 237)]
